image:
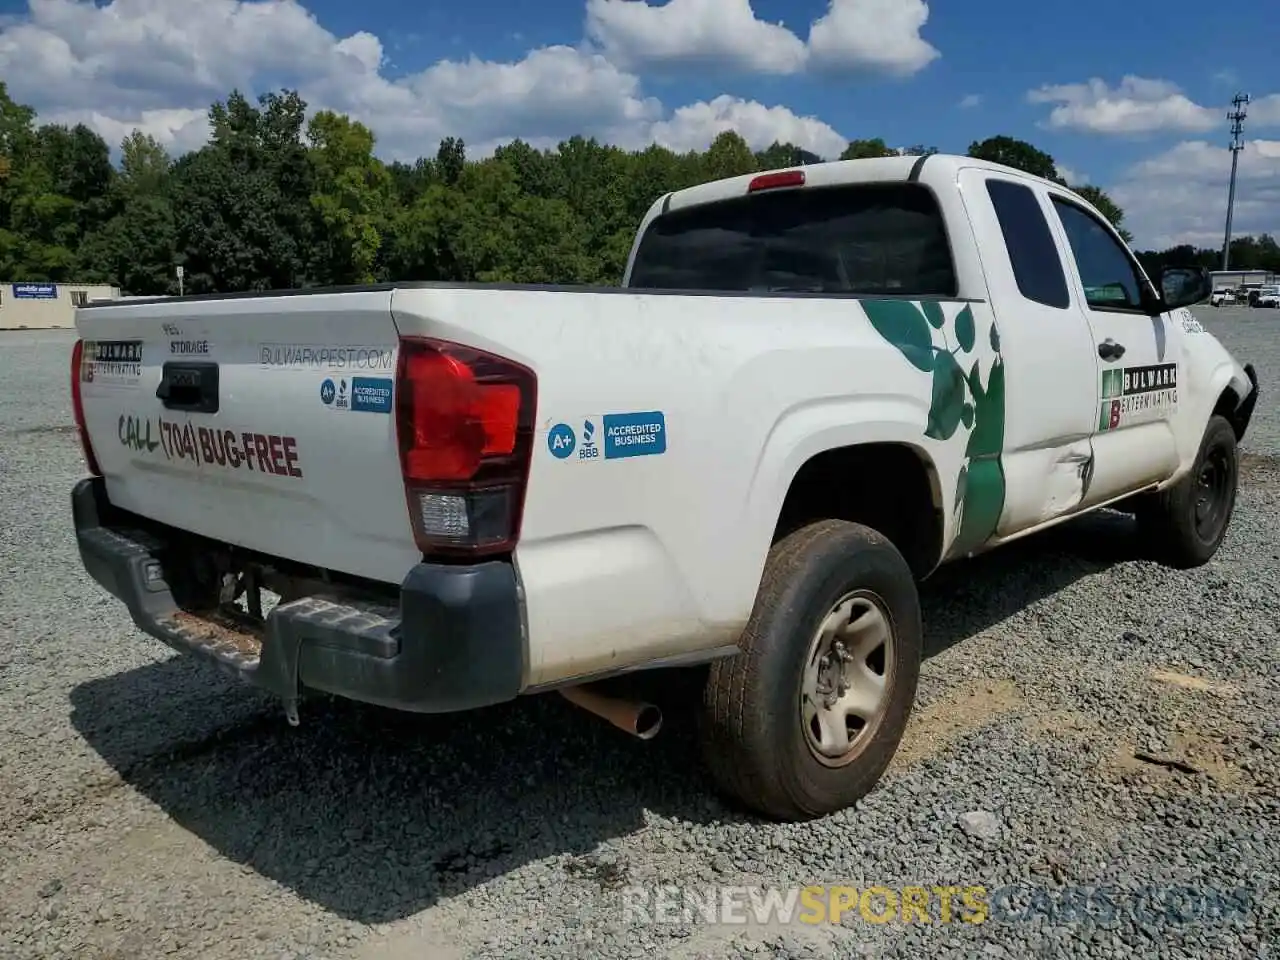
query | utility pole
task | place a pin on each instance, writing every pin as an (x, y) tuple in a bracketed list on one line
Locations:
[(1236, 116)]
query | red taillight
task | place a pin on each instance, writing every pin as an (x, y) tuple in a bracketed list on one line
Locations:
[(772, 181), (465, 424), (77, 405)]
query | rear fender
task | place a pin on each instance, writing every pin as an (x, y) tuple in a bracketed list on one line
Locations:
[(826, 425)]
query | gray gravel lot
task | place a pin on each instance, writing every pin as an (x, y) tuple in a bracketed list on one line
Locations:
[(151, 808)]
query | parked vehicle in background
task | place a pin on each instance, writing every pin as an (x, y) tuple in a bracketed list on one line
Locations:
[(1269, 297), (814, 387), (1222, 298)]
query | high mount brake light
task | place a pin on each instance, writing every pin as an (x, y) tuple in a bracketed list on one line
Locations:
[(464, 419), (772, 181), (77, 406)]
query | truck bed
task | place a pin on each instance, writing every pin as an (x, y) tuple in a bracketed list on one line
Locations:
[(614, 543)]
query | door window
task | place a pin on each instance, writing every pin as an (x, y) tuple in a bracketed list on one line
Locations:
[(1111, 280)]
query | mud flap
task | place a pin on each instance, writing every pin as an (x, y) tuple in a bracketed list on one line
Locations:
[(278, 671), (1244, 412)]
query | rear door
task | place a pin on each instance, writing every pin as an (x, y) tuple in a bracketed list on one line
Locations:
[(1133, 438), (265, 422), (1050, 365)]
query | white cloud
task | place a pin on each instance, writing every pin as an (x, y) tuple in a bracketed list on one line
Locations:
[(861, 35), (1200, 160), (152, 52), (704, 33), (1264, 111), (1136, 106), (364, 48), (551, 94), (696, 125), (969, 101), (158, 64), (880, 35), (1180, 195), (1074, 177), (179, 129)]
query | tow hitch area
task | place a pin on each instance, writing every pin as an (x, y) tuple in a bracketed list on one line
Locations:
[(447, 638), (257, 625), (247, 589)]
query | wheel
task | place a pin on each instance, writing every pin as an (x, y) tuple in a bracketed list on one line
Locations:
[(1185, 523), (806, 718)]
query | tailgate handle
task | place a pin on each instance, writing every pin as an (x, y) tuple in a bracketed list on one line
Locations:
[(191, 386)]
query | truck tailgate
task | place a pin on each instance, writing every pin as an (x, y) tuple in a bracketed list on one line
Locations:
[(265, 422)]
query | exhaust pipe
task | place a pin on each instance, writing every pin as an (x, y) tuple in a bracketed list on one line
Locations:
[(636, 717)]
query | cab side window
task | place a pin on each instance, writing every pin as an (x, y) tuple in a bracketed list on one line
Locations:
[(1111, 282), (1032, 252)]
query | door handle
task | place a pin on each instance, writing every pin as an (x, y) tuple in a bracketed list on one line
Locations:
[(1108, 349)]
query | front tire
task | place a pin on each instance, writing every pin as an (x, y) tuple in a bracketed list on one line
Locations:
[(804, 721), (1186, 523)]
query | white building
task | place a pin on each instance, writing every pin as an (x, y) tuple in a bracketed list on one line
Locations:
[(39, 306), (1235, 279)]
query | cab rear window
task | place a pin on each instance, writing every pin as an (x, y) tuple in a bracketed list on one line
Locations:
[(886, 239)]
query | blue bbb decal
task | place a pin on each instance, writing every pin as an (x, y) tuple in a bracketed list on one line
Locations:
[(561, 441), (634, 435), (327, 391), (589, 450), (371, 394)]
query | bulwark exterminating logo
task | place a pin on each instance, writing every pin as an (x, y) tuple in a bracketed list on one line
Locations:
[(1163, 376), (1132, 395), (112, 362)]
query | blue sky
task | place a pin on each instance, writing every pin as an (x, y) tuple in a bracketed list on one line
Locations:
[(1128, 96)]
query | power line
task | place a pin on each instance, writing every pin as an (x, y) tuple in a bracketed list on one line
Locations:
[(1236, 116)]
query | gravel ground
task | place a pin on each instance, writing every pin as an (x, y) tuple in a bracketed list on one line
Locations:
[(152, 808)]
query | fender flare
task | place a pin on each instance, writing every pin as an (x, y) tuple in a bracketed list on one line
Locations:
[(1228, 380), (818, 428), (1243, 413)]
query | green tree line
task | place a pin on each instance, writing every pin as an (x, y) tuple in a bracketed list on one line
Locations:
[(275, 200)]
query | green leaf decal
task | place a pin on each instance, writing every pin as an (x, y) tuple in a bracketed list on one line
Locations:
[(965, 332), (974, 379), (987, 438), (948, 398), (904, 326), (957, 397), (983, 504)]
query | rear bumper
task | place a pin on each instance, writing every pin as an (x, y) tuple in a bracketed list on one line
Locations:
[(453, 641)]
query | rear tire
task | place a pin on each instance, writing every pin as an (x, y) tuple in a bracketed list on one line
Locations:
[(804, 721), (1185, 524)]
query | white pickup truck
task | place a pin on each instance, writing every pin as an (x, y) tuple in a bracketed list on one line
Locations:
[(813, 387)]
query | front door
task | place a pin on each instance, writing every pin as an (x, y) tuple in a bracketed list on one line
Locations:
[(1137, 385)]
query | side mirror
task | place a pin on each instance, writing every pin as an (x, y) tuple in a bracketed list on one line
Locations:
[(1183, 286)]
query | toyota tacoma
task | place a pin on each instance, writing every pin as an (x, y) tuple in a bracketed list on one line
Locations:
[(812, 388)]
